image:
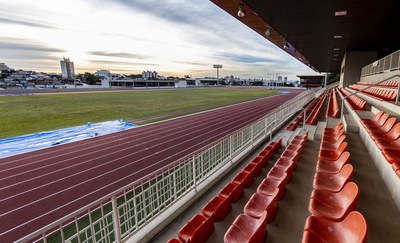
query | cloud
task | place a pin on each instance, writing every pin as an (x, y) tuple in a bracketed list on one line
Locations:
[(117, 54), (120, 63), (244, 58), (177, 11), (25, 23), (26, 45)]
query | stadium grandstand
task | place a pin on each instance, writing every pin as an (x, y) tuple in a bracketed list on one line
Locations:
[(316, 165)]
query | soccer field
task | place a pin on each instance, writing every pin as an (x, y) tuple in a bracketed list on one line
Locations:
[(21, 115)]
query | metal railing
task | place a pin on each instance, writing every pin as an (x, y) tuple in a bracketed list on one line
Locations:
[(389, 63), (121, 214)]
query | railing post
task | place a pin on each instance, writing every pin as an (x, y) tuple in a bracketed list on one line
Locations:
[(304, 119), (252, 135), (194, 173), (231, 148), (115, 215), (398, 93)]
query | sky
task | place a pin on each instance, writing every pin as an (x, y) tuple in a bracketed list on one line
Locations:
[(172, 37)]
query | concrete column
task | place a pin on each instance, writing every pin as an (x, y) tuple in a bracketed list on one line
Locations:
[(352, 64)]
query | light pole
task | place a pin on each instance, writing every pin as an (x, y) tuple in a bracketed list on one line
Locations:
[(217, 66)]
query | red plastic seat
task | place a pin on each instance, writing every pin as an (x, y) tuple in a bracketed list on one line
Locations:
[(300, 141), (174, 240), (333, 137), (378, 123), (334, 154), (217, 208), (269, 185), (333, 182), (291, 154), (245, 178), (333, 166), (335, 129), (393, 145), (351, 230), (286, 162), (253, 168), (392, 135), (198, 229), (232, 191), (392, 156), (247, 229), (279, 172), (295, 147), (265, 155), (333, 145), (383, 129), (259, 203), (334, 205)]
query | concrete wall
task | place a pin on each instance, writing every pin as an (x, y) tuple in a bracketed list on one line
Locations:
[(352, 63)]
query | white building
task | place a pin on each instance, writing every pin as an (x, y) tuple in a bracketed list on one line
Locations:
[(149, 75), (105, 77), (67, 68)]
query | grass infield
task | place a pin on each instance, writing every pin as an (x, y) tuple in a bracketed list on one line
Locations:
[(21, 115)]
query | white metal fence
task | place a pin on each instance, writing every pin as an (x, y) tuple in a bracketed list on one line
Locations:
[(386, 64), (140, 202)]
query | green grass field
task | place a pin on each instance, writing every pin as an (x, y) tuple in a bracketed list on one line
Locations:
[(21, 115)]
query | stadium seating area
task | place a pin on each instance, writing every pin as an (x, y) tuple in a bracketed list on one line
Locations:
[(200, 227), (377, 93), (335, 196), (334, 215), (333, 105), (355, 102)]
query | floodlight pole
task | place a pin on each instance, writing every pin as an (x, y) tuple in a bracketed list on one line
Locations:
[(217, 66)]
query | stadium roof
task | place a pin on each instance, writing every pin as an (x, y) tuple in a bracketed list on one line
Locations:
[(318, 33)]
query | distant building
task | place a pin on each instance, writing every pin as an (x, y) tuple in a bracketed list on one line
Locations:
[(313, 80), (149, 75), (105, 77), (67, 69), (4, 67)]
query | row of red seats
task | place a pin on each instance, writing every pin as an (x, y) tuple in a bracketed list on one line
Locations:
[(201, 226), (312, 119), (293, 125), (385, 131), (356, 103), (333, 105), (312, 105), (262, 207), (388, 84), (380, 94), (335, 196), (355, 88)]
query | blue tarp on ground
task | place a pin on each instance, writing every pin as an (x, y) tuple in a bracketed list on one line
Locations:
[(35, 141)]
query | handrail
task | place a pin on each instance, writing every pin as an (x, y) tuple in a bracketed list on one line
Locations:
[(368, 87), (388, 63)]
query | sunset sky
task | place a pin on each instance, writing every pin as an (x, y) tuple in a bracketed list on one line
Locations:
[(172, 37)]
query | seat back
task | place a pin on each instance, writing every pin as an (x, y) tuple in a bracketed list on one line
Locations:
[(349, 194), (346, 173), (354, 227), (394, 133), (388, 125), (382, 120), (377, 116)]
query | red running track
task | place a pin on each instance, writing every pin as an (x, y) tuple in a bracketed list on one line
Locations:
[(42, 186)]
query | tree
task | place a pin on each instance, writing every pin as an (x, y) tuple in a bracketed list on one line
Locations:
[(90, 79)]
